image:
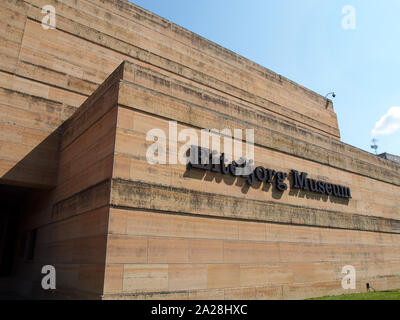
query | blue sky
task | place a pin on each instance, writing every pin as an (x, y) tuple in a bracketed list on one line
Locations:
[(304, 41)]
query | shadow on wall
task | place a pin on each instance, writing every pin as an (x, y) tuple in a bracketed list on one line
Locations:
[(30, 179), (240, 182), (39, 168)]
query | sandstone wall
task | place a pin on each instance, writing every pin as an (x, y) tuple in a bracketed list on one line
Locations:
[(72, 219), (175, 233), (60, 68), (47, 74), (117, 227)]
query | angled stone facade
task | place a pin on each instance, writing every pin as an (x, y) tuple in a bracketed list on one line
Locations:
[(76, 104)]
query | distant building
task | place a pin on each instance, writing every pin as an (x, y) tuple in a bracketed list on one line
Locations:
[(389, 156)]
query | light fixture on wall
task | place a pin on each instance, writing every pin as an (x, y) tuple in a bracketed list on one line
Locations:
[(331, 93)]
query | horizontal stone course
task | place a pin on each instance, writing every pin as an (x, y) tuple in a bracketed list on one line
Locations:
[(156, 197)]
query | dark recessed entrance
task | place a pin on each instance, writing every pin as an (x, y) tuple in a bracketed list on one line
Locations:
[(11, 200)]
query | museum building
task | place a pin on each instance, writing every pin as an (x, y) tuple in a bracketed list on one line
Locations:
[(78, 193)]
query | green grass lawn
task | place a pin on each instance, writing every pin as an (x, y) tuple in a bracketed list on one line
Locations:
[(379, 295)]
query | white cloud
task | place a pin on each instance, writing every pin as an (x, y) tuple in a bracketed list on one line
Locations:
[(389, 123)]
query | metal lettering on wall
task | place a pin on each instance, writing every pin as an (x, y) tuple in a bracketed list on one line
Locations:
[(202, 158)]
